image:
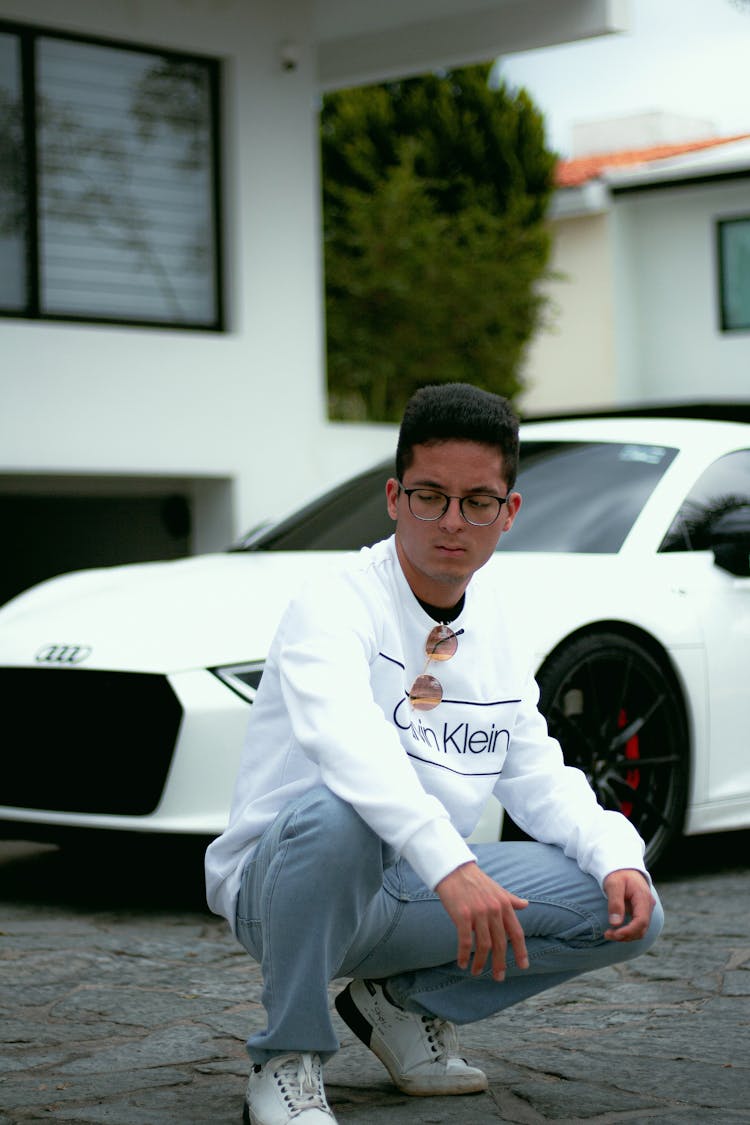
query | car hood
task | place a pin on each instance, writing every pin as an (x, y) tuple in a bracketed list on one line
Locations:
[(160, 617), (213, 610)]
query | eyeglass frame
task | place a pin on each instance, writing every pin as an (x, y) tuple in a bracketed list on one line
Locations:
[(431, 519)]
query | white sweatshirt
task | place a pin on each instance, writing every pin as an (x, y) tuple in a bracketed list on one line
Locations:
[(333, 708)]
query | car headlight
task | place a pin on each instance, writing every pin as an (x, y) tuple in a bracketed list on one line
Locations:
[(242, 678)]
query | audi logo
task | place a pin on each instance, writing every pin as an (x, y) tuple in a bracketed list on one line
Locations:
[(62, 654)]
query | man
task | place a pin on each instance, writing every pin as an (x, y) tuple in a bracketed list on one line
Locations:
[(396, 698)]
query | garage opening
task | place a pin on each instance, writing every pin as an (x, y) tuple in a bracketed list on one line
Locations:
[(54, 526)]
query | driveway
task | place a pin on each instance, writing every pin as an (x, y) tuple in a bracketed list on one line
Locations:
[(123, 1001)]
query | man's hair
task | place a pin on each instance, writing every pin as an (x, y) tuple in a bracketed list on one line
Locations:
[(458, 412)]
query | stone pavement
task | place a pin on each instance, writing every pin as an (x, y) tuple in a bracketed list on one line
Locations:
[(124, 1002)]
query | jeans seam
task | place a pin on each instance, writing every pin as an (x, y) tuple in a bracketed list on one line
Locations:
[(563, 904), (383, 937), (265, 921)]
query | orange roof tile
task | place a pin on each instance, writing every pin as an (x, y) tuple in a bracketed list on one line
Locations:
[(573, 173)]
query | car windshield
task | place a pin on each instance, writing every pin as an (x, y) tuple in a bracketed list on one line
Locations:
[(577, 497), (583, 497)]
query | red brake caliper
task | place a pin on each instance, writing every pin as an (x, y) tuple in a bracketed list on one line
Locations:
[(632, 776)]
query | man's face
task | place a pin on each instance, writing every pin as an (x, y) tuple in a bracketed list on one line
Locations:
[(439, 557)]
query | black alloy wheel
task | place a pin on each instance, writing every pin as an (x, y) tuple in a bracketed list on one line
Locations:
[(617, 714)]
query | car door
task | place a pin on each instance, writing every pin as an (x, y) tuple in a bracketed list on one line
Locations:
[(720, 601)]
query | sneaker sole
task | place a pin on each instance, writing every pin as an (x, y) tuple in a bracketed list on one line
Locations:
[(363, 1029)]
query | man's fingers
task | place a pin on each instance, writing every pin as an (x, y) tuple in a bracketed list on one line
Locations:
[(499, 950), (518, 943), (465, 936), (616, 905), (504, 926), (634, 929), (483, 944), (484, 914), (640, 910)]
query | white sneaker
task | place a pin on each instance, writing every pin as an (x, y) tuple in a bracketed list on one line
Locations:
[(287, 1088), (419, 1052)]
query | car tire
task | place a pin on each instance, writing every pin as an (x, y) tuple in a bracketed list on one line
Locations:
[(616, 711)]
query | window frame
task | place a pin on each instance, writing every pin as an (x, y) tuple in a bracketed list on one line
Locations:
[(28, 36), (728, 221)]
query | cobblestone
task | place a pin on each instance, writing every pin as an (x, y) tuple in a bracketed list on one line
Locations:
[(123, 1001)]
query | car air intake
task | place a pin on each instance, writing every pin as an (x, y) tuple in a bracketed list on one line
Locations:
[(85, 741)]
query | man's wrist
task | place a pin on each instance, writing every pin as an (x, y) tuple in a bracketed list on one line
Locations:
[(630, 871)]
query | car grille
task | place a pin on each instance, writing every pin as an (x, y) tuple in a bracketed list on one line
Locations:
[(84, 741)]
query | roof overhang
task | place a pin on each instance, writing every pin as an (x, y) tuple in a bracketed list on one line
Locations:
[(363, 42), (730, 161), (719, 163)]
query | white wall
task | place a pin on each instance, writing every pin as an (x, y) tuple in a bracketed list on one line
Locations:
[(571, 363), (670, 343)]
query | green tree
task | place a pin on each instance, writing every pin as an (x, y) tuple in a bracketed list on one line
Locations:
[(435, 193)]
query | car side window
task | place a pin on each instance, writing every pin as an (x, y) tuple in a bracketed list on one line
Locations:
[(724, 487)]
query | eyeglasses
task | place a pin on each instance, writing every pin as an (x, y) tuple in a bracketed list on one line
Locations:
[(478, 508), (441, 644)]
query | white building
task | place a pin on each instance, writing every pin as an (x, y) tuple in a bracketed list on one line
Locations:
[(652, 303), (191, 384)]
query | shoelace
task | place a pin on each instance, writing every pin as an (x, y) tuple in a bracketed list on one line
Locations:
[(444, 1034), (301, 1084)]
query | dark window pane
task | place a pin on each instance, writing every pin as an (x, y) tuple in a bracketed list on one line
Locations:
[(734, 269), (582, 497), (12, 173), (351, 516), (126, 195), (723, 487)]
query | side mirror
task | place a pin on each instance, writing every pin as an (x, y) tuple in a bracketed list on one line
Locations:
[(729, 539)]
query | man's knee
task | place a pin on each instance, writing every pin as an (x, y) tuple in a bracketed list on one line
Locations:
[(333, 830)]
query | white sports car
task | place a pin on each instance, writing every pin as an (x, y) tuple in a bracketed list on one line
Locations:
[(125, 690)]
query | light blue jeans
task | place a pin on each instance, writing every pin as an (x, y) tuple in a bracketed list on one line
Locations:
[(322, 897)]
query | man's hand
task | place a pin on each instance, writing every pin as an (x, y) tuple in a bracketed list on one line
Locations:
[(482, 909), (628, 893)]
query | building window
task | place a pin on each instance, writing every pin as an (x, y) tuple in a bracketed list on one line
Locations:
[(734, 274), (109, 182)]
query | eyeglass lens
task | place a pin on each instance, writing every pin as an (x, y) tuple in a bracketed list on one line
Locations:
[(480, 509)]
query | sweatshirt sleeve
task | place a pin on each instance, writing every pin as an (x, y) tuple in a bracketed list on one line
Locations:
[(324, 668), (555, 804)]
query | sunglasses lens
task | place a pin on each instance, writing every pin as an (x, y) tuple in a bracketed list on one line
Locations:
[(425, 693), (441, 643)]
